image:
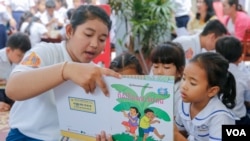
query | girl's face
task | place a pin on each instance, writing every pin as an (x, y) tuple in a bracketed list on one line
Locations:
[(87, 41), (201, 6), (132, 112), (194, 84), (165, 69), (227, 9)]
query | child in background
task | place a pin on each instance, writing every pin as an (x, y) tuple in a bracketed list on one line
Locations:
[(40, 8), (33, 27), (17, 45), (169, 59), (126, 64), (204, 41), (230, 47), (207, 91), (61, 8)]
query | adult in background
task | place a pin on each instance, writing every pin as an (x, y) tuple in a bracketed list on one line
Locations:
[(236, 20), (205, 12)]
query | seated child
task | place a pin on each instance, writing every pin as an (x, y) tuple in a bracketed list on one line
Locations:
[(230, 47), (17, 44), (207, 93), (169, 59), (126, 64)]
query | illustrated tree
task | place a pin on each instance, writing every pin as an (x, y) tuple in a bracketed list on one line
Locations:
[(142, 101)]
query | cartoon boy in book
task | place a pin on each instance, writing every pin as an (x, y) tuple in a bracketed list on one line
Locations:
[(132, 124), (145, 124)]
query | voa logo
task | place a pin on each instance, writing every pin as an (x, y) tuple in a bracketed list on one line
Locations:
[(236, 132)]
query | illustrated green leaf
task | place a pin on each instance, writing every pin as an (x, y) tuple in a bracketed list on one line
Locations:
[(161, 114)]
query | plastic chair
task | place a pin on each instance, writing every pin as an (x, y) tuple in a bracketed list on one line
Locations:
[(246, 46), (105, 57)]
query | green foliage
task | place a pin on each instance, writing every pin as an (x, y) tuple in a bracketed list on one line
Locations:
[(130, 98), (149, 19)]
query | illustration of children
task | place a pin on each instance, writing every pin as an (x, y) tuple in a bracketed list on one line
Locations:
[(132, 123), (145, 123)]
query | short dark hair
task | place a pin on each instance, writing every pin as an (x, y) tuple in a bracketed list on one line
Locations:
[(229, 47), (214, 26), (20, 41)]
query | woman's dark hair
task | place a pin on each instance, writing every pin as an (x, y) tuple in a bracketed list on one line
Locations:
[(167, 53), (216, 68), (229, 47), (236, 3), (126, 60), (87, 12), (210, 10)]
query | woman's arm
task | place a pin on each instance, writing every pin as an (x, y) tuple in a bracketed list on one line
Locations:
[(28, 84)]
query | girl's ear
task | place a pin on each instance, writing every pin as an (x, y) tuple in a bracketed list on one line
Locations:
[(69, 31), (213, 91)]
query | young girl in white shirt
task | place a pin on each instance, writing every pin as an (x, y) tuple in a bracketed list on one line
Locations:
[(169, 59), (207, 91)]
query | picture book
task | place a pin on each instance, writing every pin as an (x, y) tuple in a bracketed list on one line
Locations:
[(139, 106)]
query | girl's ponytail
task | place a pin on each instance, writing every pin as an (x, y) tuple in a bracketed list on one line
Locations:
[(228, 92)]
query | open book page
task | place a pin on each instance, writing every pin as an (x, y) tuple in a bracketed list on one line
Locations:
[(134, 103)]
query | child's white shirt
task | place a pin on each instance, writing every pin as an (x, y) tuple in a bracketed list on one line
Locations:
[(242, 90), (207, 124), (36, 32)]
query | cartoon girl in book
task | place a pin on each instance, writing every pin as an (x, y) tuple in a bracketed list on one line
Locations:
[(132, 124)]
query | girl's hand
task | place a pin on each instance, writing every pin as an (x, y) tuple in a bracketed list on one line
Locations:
[(88, 76), (103, 137)]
